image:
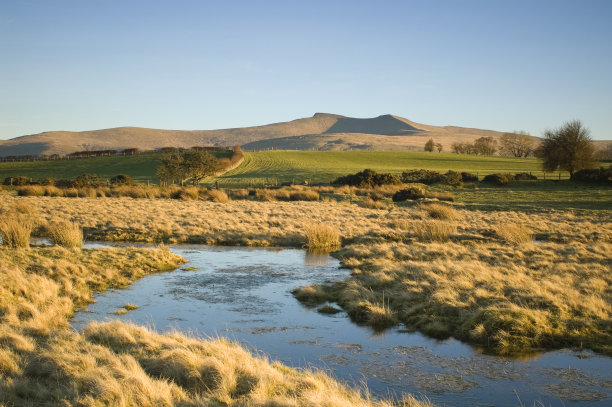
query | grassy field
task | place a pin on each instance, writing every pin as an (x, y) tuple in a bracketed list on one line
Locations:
[(324, 166), (273, 167)]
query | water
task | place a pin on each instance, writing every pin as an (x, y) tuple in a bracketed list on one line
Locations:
[(244, 294)]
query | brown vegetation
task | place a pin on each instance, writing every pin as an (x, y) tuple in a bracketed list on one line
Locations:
[(44, 362)]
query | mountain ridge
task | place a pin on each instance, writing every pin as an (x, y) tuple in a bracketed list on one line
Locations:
[(322, 131)]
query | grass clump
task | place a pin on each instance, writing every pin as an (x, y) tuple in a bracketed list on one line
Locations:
[(65, 234), (439, 211), (514, 233), (15, 233), (322, 238), (433, 230), (328, 309)]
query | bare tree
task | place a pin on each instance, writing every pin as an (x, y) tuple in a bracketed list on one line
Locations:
[(569, 148), (517, 144), (439, 147)]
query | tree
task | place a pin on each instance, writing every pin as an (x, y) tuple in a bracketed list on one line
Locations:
[(517, 144), (439, 147), (568, 148), (184, 165), (429, 146), (485, 146), (199, 164)]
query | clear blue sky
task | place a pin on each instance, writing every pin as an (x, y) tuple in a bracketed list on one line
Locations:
[(501, 65)]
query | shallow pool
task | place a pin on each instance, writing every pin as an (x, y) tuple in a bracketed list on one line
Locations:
[(244, 294)]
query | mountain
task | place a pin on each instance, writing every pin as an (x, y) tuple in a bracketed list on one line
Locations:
[(320, 132)]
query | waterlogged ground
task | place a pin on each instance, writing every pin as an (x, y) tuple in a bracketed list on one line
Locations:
[(244, 294)]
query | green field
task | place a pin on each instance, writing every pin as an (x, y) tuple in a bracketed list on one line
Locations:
[(275, 167)]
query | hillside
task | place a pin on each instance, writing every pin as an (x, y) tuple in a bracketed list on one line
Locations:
[(322, 131)]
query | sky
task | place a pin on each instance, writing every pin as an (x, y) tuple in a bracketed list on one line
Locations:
[(498, 65)]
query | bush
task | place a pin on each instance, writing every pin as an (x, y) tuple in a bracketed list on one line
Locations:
[(367, 178), (469, 177), (524, 176), (65, 234), (121, 179), (87, 180), (599, 176), (411, 193), (429, 177), (15, 232), (497, 179), (426, 177), (322, 238)]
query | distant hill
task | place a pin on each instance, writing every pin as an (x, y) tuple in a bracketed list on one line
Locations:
[(320, 132)]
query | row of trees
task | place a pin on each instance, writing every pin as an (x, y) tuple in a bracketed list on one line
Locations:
[(481, 146)]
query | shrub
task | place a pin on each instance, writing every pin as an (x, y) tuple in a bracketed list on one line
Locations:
[(514, 233), (48, 181), (426, 177), (433, 230), (15, 232), (524, 176), (469, 177), (321, 237), (452, 178), (600, 175), (367, 178), (413, 192), (65, 234), (122, 179), (87, 180), (440, 211), (497, 179)]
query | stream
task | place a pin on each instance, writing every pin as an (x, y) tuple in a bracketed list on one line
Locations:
[(244, 294)]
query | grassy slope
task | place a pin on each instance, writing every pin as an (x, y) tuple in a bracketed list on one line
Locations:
[(281, 166)]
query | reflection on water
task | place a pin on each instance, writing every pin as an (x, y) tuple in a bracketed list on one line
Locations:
[(244, 293)]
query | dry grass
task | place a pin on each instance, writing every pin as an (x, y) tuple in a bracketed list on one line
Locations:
[(433, 230), (65, 234), (514, 233), (216, 195), (322, 238), (507, 299), (15, 233), (44, 362), (440, 211)]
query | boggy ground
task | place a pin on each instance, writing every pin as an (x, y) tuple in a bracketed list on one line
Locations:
[(43, 361), (474, 275)]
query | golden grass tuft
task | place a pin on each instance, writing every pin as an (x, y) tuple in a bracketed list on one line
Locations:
[(440, 211), (65, 234), (15, 233), (216, 195), (514, 233), (433, 230), (321, 237), (370, 203)]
